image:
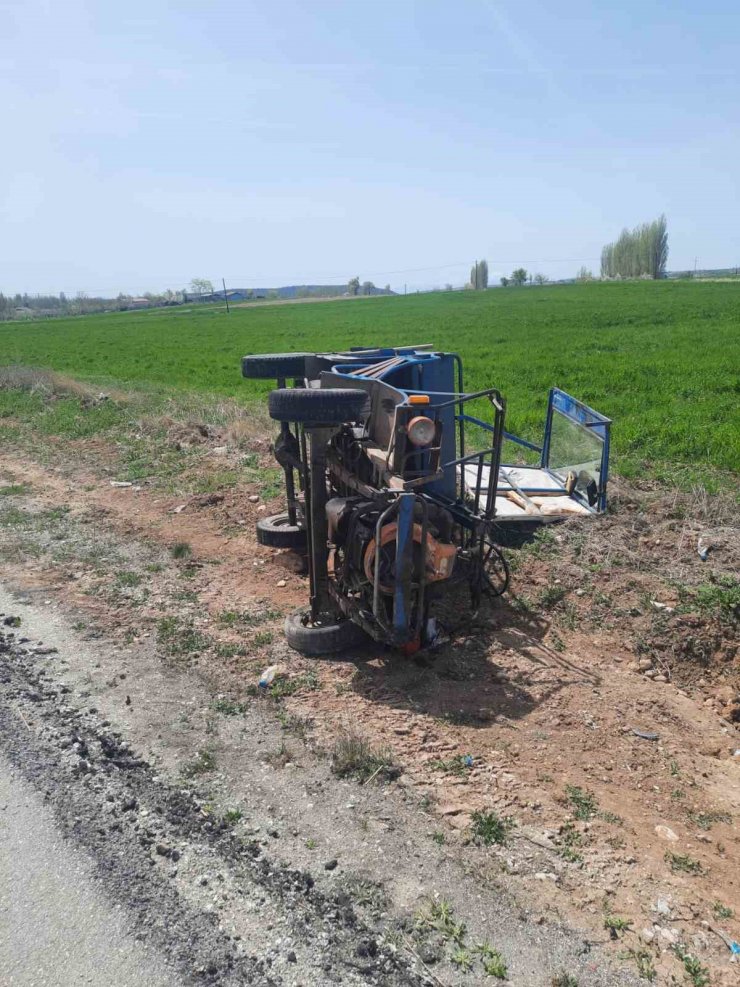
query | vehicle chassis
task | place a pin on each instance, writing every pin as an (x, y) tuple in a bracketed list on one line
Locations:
[(356, 468)]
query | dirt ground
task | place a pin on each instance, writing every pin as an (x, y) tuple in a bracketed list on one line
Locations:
[(594, 714)]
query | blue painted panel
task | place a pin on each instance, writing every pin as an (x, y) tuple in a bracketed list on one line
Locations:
[(404, 538)]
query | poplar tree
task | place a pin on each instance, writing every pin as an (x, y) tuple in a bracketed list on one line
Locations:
[(638, 252)]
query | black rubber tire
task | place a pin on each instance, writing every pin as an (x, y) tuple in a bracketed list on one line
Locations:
[(327, 406), (322, 640), (270, 366), (277, 532)]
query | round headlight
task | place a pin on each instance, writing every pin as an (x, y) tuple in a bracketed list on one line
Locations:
[(421, 431)]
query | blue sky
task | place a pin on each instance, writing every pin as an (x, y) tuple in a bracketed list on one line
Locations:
[(145, 143)]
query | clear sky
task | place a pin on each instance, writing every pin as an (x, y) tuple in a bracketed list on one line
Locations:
[(145, 142)]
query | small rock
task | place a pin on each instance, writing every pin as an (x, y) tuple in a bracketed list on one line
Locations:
[(647, 935), (451, 809), (220, 450), (254, 499), (291, 957), (430, 952), (281, 583), (712, 750), (660, 678), (120, 483), (662, 906), (644, 664), (331, 864), (665, 833)]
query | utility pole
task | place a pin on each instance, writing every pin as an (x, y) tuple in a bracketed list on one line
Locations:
[(404, 289), (226, 297)]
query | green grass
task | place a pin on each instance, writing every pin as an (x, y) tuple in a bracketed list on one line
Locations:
[(722, 911), (491, 828), (438, 916), (564, 979), (683, 863), (457, 765), (353, 756), (584, 803), (203, 762), (615, 924), (656, 357), (284, 686), (696, 974)]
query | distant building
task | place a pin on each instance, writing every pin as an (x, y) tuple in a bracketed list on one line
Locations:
[(138, 303)]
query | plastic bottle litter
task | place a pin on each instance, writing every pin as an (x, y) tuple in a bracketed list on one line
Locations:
[(268, 676)]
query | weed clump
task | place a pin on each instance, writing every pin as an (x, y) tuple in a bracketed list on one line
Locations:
[(228, 707), (203, 762), (722, 911), (584, 803), (491, 828), (614, 924), (568, 842), (682, 863), (705, 820), (283, 686), (493, 962), (179, 638), (458, 765), (564, 979), (697, 974), (353, 757), (438, 916)]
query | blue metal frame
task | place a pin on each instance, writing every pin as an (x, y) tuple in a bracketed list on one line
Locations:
[(439, 366)]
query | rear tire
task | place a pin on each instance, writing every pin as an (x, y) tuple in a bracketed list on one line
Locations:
[(322, 640), (271, 366), (278, 532), (308, 406)]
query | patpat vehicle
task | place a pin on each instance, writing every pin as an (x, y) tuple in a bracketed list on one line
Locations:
[(396, 487)]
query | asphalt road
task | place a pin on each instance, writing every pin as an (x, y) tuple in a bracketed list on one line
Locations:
[(56, 927)]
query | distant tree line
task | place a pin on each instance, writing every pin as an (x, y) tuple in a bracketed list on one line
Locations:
[(641, 252), (25, 306), (366, 288), (520, 276)]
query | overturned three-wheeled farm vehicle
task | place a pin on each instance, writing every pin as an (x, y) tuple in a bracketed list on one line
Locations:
[(396, 488)]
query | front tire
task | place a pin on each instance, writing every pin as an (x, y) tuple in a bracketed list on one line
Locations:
[(308, 406), (278, 532), (272, 366), (321, 640)]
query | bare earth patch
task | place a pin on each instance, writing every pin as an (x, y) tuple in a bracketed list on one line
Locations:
[(577, 741)]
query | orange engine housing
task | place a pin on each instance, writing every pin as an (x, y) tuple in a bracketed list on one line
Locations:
[(440, 556)]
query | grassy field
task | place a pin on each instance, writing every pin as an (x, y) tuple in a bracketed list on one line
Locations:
[(661, 359)]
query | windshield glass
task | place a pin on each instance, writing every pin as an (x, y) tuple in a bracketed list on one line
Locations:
[(575, 449)]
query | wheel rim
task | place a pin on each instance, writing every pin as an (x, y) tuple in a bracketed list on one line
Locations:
[(494, 571)]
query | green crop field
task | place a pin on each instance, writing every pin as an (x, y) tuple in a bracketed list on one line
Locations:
[(661, 359)]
